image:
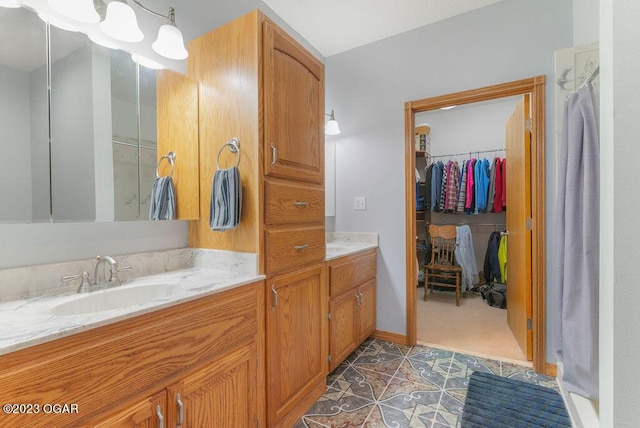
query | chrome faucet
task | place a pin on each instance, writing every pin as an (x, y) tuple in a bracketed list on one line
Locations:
[(113, 271), (98, 283)]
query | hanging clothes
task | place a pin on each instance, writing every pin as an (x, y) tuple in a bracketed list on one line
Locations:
[(466, 258), (482, 185), (492, 186), (427, 191), (577, 229), (470, 175), (436, 186), (491, 262), (443, 186), (453, 184), (502, 258), (497, 199), (419, 197), (462, 190)]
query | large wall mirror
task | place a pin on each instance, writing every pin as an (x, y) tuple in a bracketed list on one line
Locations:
[(78, 126)]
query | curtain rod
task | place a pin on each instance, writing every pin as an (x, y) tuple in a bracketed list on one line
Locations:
[(467, 153)]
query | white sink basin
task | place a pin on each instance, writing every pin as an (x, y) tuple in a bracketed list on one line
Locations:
[(114, 298)]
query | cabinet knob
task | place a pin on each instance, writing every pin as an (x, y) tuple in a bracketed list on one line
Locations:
[(274, 155), (160, 417), (180, 411)]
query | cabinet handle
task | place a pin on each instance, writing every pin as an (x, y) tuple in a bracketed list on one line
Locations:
[(300, 247), (275, 297), (160, 417), (301, 204), (274, 153), (180, 411), (357, 300), (360, 296)]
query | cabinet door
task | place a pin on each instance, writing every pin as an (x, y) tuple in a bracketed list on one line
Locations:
[(293, 109), (367, 310), (342, 327), (147, 413), (296, 325), (220, 394)]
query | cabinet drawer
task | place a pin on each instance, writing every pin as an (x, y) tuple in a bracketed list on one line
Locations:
[(292, 203), (290, 248), (347, 274)]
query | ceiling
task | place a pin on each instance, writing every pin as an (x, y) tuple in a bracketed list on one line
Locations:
[(334, 26)]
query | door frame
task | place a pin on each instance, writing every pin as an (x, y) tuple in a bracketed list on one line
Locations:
[(536, 87)]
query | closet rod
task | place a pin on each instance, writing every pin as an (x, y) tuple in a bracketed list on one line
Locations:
[(467, 153), (468, 224)]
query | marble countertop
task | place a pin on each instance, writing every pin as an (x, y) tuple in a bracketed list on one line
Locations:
[(345, 244), (32, 321)]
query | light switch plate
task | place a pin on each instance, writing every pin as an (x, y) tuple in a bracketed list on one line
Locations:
[(360, 203)]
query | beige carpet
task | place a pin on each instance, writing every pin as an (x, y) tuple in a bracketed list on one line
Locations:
[(473, 327)]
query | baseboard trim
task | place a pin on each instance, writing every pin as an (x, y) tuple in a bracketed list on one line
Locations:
[(400, 339), (582, 411), (551, 369)]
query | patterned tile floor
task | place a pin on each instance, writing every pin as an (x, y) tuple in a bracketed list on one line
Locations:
[(387, 385)]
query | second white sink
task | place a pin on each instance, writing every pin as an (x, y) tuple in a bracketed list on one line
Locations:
[(114, 298)]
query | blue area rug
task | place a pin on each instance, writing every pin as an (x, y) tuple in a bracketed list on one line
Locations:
[(498, 402)]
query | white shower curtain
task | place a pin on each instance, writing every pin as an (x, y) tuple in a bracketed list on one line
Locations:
[(577, 248)]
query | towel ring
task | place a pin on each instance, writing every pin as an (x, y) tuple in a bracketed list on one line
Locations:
[(171, 157), (234, 147)]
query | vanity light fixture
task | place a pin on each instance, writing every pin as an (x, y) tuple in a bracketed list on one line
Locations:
[(331, 128), (121, 23), (146, 62), (9, 3), (78, 10)]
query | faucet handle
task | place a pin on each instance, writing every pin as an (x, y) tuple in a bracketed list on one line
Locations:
[(84, 286)]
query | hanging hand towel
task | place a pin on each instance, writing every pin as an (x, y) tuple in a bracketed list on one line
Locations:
[(226, 200), (163, 199)]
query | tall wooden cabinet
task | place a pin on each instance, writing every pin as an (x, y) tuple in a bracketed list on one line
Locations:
[(258, 84)]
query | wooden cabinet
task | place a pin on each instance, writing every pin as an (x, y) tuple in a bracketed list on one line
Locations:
[(221, 394), (296, 337), (147, 413), (352, 304), (258, 84), (128, 374), (293, 108)]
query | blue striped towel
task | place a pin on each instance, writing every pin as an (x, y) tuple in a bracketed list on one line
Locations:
[(163, 199), (226, 200)]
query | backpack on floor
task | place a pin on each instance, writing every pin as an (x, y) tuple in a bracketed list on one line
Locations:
[(496, 295)]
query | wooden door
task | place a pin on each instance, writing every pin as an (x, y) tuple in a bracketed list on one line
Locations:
[(342, 327), (220, 394), (518, 183), (296, 349), (367, 310), (147, 413), (293, 109)]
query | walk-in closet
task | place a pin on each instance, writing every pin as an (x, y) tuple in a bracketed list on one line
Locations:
[(461, 183)]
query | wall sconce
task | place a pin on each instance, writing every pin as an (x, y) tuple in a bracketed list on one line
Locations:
[(121, 24), (331, 128)]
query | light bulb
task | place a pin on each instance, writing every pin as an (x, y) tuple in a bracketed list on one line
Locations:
[(170, 43)]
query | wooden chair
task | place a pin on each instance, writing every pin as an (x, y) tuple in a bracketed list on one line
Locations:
[(442, 269)]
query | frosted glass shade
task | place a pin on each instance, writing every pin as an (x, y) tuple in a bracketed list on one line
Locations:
[(332, 128), (121, 23), (78, 10), (9, 3), (170, 43), (146, 62)]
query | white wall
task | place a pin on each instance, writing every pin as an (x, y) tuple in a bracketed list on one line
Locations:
[(619, 202), (39, 109), (586, 23), (368, 86), (15, 140)]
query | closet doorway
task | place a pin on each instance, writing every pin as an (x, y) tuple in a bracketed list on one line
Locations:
[(525, 221)]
